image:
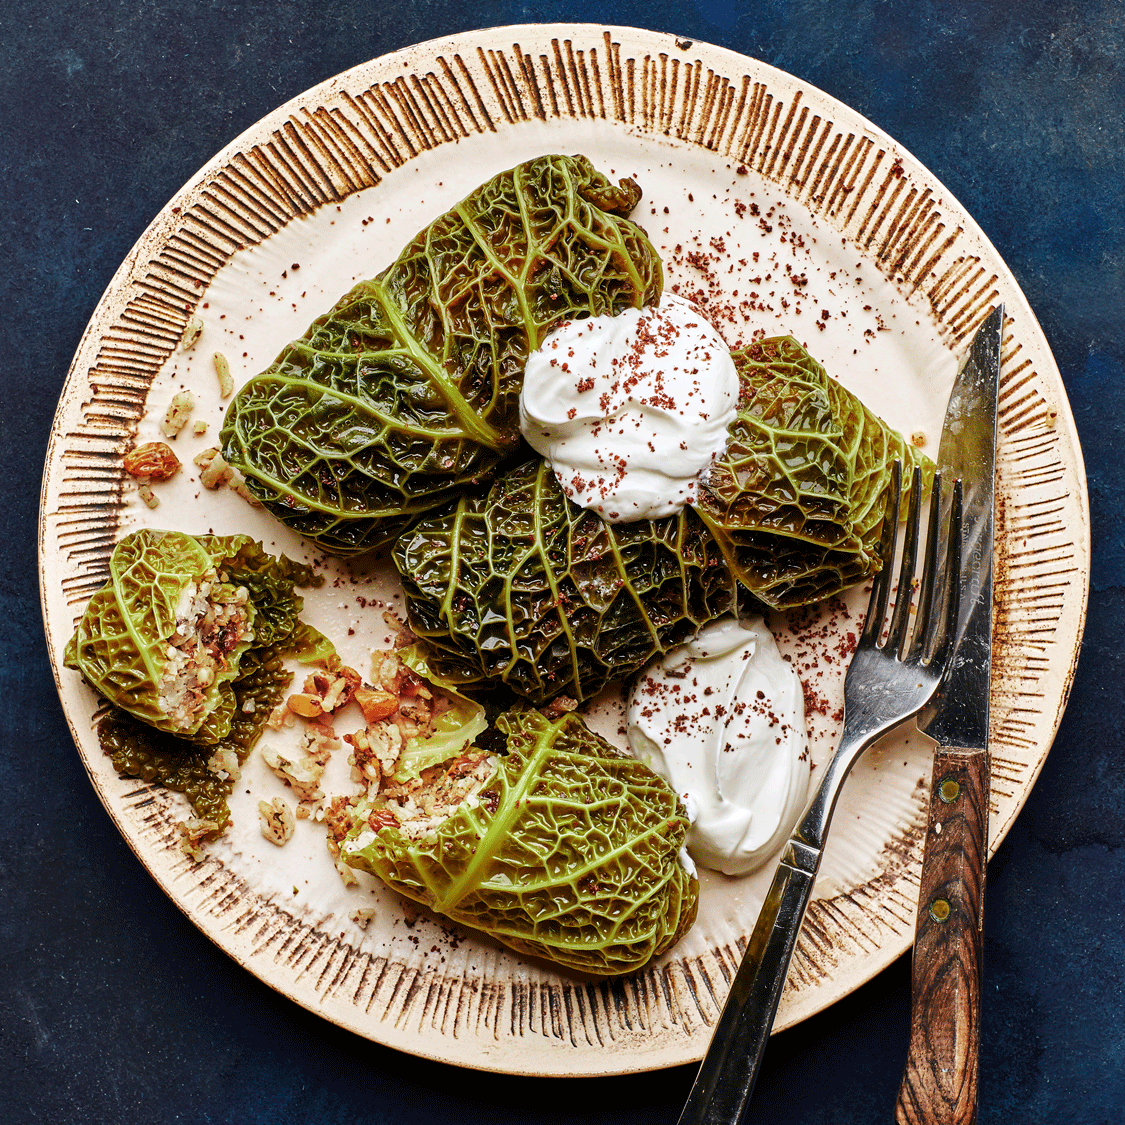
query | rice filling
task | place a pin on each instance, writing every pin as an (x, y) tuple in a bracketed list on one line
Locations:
[(420, 806), (212, 619)]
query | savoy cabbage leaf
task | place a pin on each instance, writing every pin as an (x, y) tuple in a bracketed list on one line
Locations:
[(407, 391), (796, 501), (120, 647), (571, 852), (525, 587)]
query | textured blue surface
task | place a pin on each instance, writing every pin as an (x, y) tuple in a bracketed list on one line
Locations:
[(112, 1006)]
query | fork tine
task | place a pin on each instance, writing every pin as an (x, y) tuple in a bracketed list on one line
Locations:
[(925, 627), (880, 586), (900, 619), (943, 641)]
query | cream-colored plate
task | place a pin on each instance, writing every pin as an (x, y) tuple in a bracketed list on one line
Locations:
[(790, 213)]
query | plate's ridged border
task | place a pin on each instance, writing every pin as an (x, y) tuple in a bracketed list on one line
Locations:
[(348, 134)]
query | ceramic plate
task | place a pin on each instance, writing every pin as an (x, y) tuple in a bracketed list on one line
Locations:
[(784, 211)]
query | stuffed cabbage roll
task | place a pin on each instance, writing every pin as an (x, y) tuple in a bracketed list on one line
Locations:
[(407, 391), (796, 502), (525, 587), (543, 835)]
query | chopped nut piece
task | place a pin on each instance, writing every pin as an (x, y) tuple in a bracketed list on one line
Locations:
[(307, 706), (334, 689), (215, 471), (177, 414), (199, 428), (319, 741), (303, 775), (144, 491), (375, 703), (194, 830), (216, 474), (153, 461), (238, 485), (192, 331), (347, 875), (222, 369), (351, 677), (338, 821), (277, 821), (1052, 417), (918, 438), (362, 917), (280, 717), (560, 705)]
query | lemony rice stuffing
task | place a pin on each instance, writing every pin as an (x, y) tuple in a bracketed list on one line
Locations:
[(423, 804), (212, 619)]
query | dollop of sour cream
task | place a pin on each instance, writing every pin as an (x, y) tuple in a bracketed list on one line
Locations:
[(630, 410), (722, 720)]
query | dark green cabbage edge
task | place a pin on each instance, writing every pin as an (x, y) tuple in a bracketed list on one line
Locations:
[(126, 622), (407, 391), (525, 587), (571, 853)]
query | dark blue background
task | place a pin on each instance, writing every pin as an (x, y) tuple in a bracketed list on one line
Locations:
[(112, 1006)]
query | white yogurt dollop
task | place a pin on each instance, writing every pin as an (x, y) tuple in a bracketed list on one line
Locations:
[(629, 410), (722, 719)]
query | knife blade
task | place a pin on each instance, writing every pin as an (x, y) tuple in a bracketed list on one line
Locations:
[(939, 1084)]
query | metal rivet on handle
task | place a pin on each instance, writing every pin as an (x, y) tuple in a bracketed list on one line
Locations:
[(939, 909), (949, 790)]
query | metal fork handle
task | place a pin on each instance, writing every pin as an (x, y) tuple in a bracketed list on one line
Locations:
[(722, 1088), (726, 1077)]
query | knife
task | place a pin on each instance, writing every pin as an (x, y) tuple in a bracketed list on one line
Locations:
[(939, 1084)]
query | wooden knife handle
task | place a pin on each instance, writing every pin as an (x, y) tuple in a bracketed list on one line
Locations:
[(939, 1085)]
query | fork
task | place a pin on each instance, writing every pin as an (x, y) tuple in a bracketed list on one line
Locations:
[(895, 670)]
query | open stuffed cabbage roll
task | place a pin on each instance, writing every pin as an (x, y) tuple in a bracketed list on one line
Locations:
[(187, 641), (543, 835), (165, 638), (407, 391), (526, 587)]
